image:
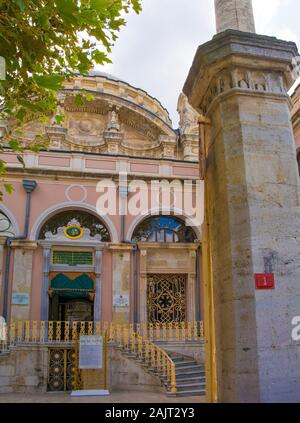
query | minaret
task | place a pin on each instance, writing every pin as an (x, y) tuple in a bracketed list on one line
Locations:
[(239, 81), (233, 14)]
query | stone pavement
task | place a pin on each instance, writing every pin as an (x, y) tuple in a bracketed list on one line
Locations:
[(115, 397)]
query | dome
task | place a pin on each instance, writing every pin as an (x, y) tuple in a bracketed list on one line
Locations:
[(95, 72)]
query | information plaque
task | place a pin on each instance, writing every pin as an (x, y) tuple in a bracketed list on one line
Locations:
[(90, 352)]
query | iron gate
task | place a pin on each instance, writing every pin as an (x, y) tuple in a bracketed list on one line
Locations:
[(61, 369)]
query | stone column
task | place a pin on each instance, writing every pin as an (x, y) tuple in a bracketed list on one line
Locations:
[(121, 282), (143, 286), (45, 295), (233, 14), (98, 287), (191, 283), (22, 279), (240, 82), (2, 264)]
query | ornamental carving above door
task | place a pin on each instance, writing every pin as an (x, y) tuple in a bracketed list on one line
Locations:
[(166, 298)]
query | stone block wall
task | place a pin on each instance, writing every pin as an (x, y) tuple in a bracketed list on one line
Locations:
[(24, 369)]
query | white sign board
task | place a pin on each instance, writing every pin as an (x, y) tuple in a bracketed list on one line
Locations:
[(90, 352), (20, 299), (121, 301)]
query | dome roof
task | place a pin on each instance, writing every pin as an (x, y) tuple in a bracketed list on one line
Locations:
[(95, 72), (113, 85)]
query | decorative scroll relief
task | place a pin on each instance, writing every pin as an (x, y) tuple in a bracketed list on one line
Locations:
[(64, 233), (254, 81), (6, 228)]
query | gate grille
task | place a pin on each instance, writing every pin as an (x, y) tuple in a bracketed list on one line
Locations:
[(166, 298), (61, 369)]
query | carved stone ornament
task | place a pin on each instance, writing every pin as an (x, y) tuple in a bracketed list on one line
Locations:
[(188, 116), (62, 233)]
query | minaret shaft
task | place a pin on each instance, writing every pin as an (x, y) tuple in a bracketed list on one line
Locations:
[(234, 14)]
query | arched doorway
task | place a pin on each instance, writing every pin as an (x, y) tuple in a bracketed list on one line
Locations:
[(169, 273), (72, 242)]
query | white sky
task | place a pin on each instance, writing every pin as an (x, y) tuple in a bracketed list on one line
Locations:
[(156, 48)]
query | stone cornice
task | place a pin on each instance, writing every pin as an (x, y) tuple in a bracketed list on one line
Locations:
[(24, 244), (168, 246), (233, 52), (3, 240), (120, 247)]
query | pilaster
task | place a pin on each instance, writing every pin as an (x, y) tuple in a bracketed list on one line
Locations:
[(2, 246), (121, 282), (22, 279)]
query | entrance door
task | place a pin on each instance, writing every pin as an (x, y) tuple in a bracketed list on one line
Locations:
[(166, 298), (75, 310)]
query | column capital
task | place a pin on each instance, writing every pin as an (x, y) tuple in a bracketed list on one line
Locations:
[(24, 244), (3, 240), (120, 247)]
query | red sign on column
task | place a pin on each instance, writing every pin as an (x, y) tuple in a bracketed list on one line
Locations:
[(265, 281)]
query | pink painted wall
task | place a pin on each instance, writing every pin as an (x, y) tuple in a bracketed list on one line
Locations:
[(100, 164), (54, 161), (186, 171), (50, 193), (144, 168)]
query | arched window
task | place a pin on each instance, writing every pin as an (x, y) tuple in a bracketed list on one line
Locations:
[(84, 219), (6, 227), (163, 229)]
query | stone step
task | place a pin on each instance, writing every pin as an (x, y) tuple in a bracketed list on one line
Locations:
[(191, 393), (188, 386), (189, 369), (196, 380), (178, 359), (191, 378), (185, 364)]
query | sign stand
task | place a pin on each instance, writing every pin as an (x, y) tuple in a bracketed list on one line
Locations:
[(90, 372)]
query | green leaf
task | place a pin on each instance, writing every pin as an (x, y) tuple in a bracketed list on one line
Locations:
[(89, 97), (136, 6), (59, 119), (99, 57), (2, 167), (36, 148), (101, 5), (79, 100), (50, 82), (15, 145), (9, 188), (21, 113), (20, 4)]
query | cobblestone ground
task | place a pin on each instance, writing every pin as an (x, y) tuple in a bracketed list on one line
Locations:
[(115, 397)]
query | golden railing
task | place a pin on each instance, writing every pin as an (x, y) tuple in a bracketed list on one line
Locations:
[(138, 340), (43, 332), (157, 360)]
